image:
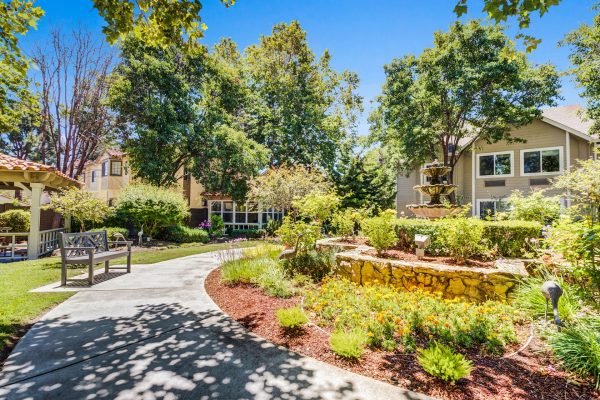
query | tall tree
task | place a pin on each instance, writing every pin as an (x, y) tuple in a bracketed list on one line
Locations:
[(585, 57), (179, 110), (472, 85), (73, 79), (16, 100), (304, 111), (367, 180)]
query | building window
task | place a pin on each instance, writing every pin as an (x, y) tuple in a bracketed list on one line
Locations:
[(488, 208), (104, 168), (495, 164), (116, 168), (93, 176), (541, 161)]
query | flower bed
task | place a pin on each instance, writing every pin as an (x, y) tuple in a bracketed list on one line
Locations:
[(452, 281)]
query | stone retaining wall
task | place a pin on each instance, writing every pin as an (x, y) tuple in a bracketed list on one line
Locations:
[(476, 284)]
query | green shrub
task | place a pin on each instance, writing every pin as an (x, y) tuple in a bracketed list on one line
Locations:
[(578, 348), (344, 222), (291, 318), (274, 282), (536, 207), (348, 344), (381, 232), (17, 220), (315, 264), (299, 233), (507, 238), (529, 298), (246, 233), (183, 234), (217, 226), (317, 206), (83, 206), (462, 238), (152, 207), (440, 361), (272, 226)]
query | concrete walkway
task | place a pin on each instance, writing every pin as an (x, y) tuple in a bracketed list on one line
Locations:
[(155, 334)]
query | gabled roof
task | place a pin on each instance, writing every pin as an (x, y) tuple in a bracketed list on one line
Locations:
[(570, 118), (13, 164)]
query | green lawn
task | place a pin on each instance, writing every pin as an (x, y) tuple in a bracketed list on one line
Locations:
[(18, 307)]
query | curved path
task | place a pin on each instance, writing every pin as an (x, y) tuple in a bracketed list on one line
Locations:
[(155, 334)]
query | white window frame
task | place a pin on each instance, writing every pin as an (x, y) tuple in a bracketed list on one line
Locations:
[(561, 161), (512, 164), (479, 201)]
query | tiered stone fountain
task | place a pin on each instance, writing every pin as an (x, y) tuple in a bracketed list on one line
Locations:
[(435, 189)]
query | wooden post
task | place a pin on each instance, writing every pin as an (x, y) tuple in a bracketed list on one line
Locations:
[(33, 241)]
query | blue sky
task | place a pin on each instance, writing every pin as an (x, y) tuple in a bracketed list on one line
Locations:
[(362, 36)]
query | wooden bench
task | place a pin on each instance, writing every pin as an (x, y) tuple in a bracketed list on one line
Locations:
[(90, 248)]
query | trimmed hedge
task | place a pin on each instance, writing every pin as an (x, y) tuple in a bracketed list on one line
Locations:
[(246, 233), (508, 238), (183, 234)]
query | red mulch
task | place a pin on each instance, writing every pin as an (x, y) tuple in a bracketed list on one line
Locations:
[(530, 375)]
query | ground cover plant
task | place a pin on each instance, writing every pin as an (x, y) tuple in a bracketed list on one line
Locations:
[(394, 319), (348, 344), (291, 318), (440, 361)]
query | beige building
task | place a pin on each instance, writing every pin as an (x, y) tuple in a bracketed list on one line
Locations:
[(487, 173), (110, 173)]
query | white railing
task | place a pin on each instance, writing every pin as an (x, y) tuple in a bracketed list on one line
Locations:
[(49, 240), (13, 245)]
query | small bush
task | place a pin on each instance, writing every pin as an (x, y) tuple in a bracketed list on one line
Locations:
[(536, 207), (315, 264), (381, 232), (300, 234), (217, 226), (183, 234), (317, 206), (440, 361), (343, 222), (291, 318), (348, 344), (272, 226), (17, 220), (274, 282), (462, 238), (578, 348)]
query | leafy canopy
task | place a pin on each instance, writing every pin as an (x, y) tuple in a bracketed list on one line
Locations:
[(279, 187), (81, 205), (301, 109), (585, 57), (161, 22), (17, 17), (471, 85)]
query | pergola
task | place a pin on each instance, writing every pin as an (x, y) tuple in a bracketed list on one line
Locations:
[(33, 178)]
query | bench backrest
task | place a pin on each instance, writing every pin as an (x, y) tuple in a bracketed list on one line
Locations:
[(98, 240)]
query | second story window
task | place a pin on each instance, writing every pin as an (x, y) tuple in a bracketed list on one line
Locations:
[(93, 176), (104, 168), (116, 168), (495, 164)]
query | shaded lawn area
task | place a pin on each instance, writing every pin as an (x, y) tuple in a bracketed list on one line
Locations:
[(19, 308)]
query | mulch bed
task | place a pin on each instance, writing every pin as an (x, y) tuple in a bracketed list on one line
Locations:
[(530, 375)]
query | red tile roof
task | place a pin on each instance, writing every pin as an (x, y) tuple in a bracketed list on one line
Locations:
[(8, 163)]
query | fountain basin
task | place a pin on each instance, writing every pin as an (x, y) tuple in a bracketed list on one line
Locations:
[(435, 190), (433, 211), (436, 170)]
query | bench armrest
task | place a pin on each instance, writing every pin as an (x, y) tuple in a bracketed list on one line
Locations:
[(126, 242)]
